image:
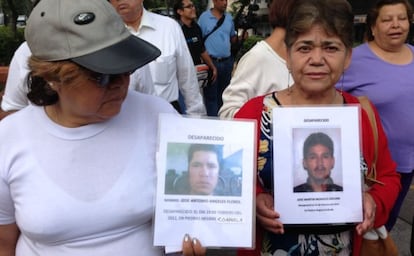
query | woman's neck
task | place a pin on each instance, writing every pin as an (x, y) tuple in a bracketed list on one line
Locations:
[(57, 115), (295, 96), (399, 55)]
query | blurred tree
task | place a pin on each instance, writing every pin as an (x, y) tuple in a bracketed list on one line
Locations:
[(12, 9)]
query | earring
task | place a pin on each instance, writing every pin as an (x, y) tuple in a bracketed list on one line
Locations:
[(51, 86), (288, 85)]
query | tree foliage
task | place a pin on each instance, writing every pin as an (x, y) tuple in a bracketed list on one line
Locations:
[(12, 9)]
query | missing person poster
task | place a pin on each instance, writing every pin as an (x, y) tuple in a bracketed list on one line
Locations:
[(206, 181), (317, 177)]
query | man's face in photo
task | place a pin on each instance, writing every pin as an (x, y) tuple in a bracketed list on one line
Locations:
[(203, 172), (319, 162)]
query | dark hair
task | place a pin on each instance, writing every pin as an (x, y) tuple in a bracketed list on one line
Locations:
[(375, 10), (318, 138), (279, 12), (40, 93), (178, 5), (45, 72), (217, 149), (335, 16)]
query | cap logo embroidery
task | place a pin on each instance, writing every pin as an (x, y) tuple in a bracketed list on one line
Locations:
[(84, 18)]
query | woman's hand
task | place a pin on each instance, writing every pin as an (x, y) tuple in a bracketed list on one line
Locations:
[(192, 247), (266, 215), (369, 215)]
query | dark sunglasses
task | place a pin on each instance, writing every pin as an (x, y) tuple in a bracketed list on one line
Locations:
[(189, 6), (104, 79)]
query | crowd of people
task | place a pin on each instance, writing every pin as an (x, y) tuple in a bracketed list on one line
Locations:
[(79, 117)]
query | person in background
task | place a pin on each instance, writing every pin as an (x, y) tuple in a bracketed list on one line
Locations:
[(16, 89), (319, 42), (382, 69), (263, 68), (17, 75), (318, 161), (218, 44), (185, 14), (74, 162), (174, 70), (204, 163)]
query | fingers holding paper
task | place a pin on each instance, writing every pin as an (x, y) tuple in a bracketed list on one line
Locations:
[(369, 215), (192, 247), (266, 215)]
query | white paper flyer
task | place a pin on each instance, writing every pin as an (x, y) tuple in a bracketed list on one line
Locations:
[(206, 181), (317, 177)]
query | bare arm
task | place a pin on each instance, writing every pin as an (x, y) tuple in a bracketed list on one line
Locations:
[(210, 64), (3, 113), (8, 239)]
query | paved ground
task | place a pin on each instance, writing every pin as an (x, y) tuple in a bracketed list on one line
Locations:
[(401, 231)]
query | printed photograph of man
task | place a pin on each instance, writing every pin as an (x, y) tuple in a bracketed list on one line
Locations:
[(202, 169), (318, 161)]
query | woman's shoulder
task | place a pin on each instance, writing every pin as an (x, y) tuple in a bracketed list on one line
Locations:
[(20, 121), (262, 50), (362, 50), (267, 59), (148, 103), (252, 108), (349, 98)]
